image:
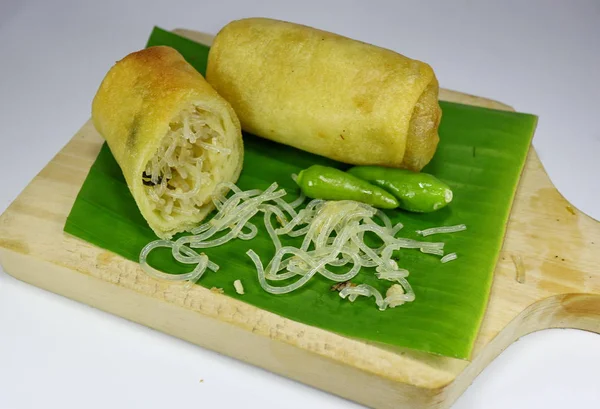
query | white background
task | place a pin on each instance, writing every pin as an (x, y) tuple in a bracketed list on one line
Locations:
[(541, 57)]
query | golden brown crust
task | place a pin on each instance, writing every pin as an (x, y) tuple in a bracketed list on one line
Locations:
[(138, 98), (423, 129), (324, 93)]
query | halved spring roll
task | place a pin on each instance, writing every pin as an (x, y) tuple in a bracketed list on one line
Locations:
[(173, 136)]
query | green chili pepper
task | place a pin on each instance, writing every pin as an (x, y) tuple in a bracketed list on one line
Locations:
[(416, 192), (321, 182)]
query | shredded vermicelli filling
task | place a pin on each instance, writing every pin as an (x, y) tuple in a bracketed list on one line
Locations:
[(177, 177), (339, 238)]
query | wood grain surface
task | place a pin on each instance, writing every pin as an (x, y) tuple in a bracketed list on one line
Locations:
[(557, 284)]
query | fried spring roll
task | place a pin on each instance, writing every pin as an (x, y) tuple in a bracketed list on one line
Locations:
[(327, 94), (173, 136)]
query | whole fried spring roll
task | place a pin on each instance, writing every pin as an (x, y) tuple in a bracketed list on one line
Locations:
[(327, 94), (173, 136)]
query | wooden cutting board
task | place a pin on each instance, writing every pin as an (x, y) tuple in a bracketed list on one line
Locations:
[(547, 277)]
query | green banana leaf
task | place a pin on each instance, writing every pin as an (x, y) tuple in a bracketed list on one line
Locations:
[(481, 155)]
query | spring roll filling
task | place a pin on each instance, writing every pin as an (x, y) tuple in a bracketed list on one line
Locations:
[(184, 171)]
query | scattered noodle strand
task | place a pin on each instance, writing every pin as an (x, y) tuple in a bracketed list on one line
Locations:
[(443, 229), (449, 257)]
